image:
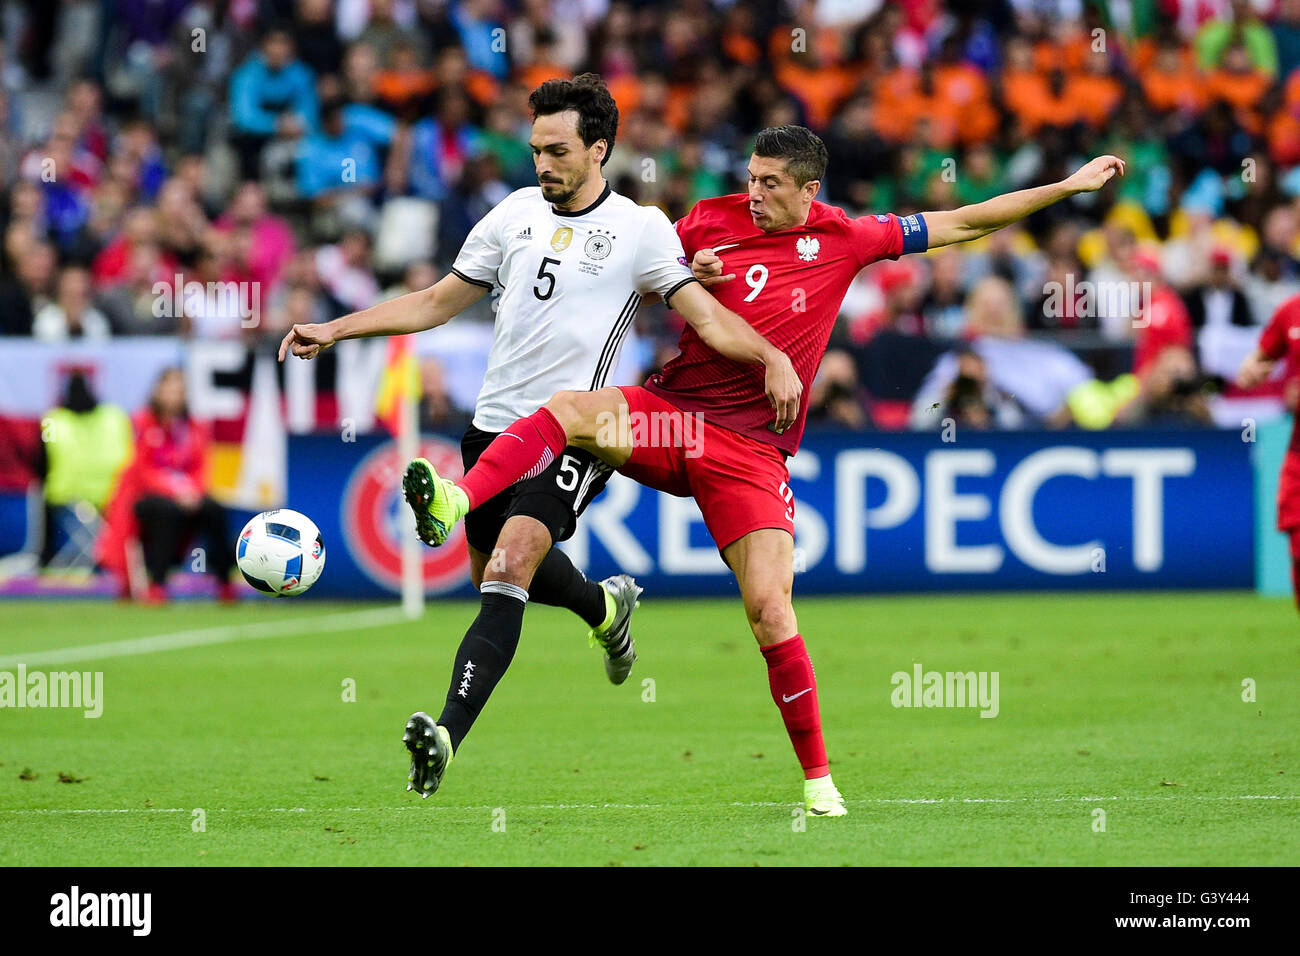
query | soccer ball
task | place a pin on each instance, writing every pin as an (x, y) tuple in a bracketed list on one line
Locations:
[(280, 552)]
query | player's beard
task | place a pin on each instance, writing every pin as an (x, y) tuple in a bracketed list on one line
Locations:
[(557, 194)]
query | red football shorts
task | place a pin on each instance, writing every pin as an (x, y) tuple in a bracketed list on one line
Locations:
[(740, 484), (1288, 494)]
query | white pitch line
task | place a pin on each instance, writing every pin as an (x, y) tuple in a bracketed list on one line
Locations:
[(425, 807), (374, 617)]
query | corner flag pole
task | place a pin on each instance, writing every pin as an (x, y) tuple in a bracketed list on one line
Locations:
[(408, 444)]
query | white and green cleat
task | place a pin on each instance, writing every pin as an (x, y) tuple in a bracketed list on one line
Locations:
[(821, 799), (436, 501), (431, 753), (615, 633)]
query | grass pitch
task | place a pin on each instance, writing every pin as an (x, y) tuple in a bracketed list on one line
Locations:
[(1129, 704)]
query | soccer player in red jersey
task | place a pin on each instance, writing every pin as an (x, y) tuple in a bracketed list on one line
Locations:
[(1281, 341), (795, 258)]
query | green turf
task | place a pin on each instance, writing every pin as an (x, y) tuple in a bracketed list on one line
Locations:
[(1128, 703)]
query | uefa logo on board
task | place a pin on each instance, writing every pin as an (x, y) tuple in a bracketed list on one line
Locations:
[(375, 518)]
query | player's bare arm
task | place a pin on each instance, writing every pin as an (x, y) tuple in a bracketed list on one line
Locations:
[(413, 312), (1255, 370), (980, 219), (731, 336)]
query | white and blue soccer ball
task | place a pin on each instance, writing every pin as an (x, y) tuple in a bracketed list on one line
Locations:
[(280, 552)]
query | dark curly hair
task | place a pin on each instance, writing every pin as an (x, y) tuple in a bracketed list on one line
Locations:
[(802, 149), (588, 96)]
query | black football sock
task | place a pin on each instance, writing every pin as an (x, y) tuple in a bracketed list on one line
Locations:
[(558, 583), (484, 654)]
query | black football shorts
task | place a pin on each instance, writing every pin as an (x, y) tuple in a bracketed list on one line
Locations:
[(556, 497)]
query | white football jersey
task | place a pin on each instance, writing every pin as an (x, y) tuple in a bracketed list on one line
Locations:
[(569, 285)]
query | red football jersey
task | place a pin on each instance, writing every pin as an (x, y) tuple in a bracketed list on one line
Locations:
[(789, 286), (1281, 342)]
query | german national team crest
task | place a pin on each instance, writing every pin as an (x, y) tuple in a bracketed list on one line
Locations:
[(808, 247), (598, 247), (563, 236)]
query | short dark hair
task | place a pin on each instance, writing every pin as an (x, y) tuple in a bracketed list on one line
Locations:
[(588, 96), (802, 149)]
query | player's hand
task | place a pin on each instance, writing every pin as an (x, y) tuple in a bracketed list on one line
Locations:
[(1094, 175), (707, 267), (1254, 371), (307, 341), (783, 391)]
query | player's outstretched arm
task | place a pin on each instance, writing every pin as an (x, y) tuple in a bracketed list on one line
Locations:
[(979, 219), (413, 312), (731, 336)]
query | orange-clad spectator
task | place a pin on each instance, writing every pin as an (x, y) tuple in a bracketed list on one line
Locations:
[(453, 72), (1050, 104), (819, 82), (677, 106), (1068, 49), (908, 105), (626, 90), (1025, 91), (893, 104), (1140, 52), (820, 90), (1095, 92), (738, 31), (791, 41), (482, 87), (544, 64), (405, 81), (534, 75), (1291, 91), (741, 48), (1284, 137), (1172, 81), (965, 90), (1237, 83), (810, 66), (939, 120)]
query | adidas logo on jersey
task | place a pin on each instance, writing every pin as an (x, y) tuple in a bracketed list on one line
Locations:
[(526, 234)]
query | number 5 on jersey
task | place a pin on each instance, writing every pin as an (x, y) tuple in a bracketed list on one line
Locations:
[(548, 277)]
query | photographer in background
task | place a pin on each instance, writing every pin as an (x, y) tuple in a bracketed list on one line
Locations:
[(1172, 393), (972, 401)]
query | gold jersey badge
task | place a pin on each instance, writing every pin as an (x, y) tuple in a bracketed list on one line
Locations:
[(563, 236)]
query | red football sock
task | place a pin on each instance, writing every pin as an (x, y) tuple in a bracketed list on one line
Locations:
[(1294, 535), (794, 689), (530, 447)]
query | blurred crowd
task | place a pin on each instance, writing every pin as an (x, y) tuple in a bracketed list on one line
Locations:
[(331, 153)]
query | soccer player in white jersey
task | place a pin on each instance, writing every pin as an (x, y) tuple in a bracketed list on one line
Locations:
[(573, 260)]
